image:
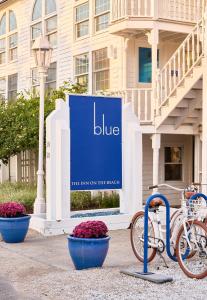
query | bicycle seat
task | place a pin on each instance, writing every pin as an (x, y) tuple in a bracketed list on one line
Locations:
[(188, 195), (155, 202)]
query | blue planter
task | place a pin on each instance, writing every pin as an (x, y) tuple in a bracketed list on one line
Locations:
[(14, 230), (88, 253)]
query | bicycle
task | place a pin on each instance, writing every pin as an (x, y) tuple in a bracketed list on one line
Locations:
[(188, 237)]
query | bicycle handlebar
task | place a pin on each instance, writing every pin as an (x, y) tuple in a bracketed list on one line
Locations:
[(152, 187), (166, 185)]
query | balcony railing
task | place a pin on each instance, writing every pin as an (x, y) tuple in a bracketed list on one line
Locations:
[(141, 100), (176, 10)]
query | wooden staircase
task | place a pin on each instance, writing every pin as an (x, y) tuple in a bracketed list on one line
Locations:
[(179, 84)]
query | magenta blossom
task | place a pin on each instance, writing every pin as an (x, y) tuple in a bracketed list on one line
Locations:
[(90, 229), (12, 210)]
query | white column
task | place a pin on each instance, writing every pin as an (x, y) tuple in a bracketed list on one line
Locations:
[(125, 63), (204, 113), (197, 158), (40, 205), (153, 40), (156, 141)]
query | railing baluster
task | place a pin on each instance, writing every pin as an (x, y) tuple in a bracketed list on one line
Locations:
[(139, 105), (139, 8), (193, 48), (146, 105), (174, 72)]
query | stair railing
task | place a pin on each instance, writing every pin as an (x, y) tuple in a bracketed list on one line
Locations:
[(181, 63)]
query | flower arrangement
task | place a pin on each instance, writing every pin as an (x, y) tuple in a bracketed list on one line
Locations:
[(90, 229), (12, 210)]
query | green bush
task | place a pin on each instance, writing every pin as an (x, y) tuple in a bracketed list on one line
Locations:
[(84, 201), (20, 192), (26, 194)]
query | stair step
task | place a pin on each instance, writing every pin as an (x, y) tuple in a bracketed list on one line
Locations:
[(198, 85)]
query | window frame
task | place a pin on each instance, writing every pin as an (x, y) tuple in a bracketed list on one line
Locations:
[(3, 78), (9, 89), (7, 35), (79, 22), (174, 163), (47, 82), (78, 75), (43, 23), (98, 15), (101, 70)]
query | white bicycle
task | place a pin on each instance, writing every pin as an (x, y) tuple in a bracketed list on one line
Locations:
[(188, 234)]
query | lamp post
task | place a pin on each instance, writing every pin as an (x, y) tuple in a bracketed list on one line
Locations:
[(42, 52)]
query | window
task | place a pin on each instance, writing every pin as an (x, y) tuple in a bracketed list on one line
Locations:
[(101, 70), (13, 47), (12, 21), (82, 20), (173, 163), (44, 16), (2, 51), (8, 37), (102, 14), (145, 64), (12, 87), (3, 25), (50, 79), (37, 10), (81, 69), (2, 89)]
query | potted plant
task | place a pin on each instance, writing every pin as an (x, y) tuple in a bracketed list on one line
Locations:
[(14, 222), (88, 244)]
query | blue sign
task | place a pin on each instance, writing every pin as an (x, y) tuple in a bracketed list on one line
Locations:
[(96, 142)]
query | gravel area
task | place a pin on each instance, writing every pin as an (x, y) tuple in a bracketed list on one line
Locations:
[(41, 269)]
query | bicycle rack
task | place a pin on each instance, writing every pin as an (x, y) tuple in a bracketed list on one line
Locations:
[(156, 278), (198, 195)]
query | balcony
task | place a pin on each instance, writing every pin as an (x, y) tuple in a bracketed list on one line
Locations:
[(141, 100), (186, 12)]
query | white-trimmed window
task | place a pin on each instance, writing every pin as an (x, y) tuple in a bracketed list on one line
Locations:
[(82, 20), (44, 20), (81, 69), (102, 14), (173, 163), (12, 86), (2, 89), (8, 37), (101, 70), (50, 79)]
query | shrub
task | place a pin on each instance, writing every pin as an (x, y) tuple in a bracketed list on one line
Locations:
[(90, 229), (18, 192), (12, 210), (84, 201)]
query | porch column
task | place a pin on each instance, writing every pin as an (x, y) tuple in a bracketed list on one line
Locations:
[(204, 112), (156, 141), (197, 158), (153, 40), (125, 64)]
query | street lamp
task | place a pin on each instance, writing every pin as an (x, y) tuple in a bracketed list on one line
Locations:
[(42, 52)]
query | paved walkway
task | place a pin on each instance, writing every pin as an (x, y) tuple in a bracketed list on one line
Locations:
[(41, 268)]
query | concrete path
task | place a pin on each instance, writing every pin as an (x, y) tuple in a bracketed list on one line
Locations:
[(40, 268)]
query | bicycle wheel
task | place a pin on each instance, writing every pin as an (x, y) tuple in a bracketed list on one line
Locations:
[(192, 240), (174, 219), (137, 237)]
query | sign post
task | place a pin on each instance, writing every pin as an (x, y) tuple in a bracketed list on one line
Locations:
[(92, 143)]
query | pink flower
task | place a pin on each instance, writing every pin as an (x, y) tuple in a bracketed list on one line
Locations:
[(11, 210), (90, 229)]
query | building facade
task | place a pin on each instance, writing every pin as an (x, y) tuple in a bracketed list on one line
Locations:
[(149, 52)]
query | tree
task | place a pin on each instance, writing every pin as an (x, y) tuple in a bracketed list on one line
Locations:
[(19, 120)]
